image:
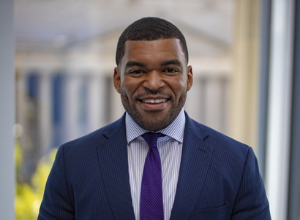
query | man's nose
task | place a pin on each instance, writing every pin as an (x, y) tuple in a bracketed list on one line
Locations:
[(154, 80)]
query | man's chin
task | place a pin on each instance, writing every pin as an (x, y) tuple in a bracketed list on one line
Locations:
[(152, 120), (153, 127), (154, 124)]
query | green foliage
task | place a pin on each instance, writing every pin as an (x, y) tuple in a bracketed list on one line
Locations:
[(28, 197)]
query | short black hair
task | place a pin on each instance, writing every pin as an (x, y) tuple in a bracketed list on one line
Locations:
[(150, 28)]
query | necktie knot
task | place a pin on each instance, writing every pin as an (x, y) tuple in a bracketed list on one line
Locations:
[(151, 138)]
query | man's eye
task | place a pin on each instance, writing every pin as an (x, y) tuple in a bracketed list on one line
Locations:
[(170, 70), (136, 71)]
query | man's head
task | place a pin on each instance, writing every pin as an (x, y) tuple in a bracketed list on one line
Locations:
[(152, 75), (150, 28)]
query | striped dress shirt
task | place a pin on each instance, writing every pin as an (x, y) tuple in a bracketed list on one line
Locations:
[(170, 150)]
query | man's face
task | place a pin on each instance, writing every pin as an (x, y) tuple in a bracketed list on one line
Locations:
[(153, 79)]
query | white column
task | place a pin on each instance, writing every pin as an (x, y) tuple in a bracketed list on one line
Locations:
[(279, 107), (96, 102), (117, 108), (7, 100), (45, 104), (213, 103), (194, 103), (71, 108)]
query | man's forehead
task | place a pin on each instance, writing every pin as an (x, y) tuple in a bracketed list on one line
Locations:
[(171, 46), (174, 62)]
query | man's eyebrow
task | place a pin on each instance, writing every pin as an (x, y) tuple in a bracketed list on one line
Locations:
[(171, 62), (134, 63)]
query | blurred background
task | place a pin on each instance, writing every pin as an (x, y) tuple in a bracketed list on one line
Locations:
[(245, 58)]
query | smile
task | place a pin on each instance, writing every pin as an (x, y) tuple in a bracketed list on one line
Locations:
[(153, 101)]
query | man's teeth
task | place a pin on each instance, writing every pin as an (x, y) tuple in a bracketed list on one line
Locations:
[(154, 100)]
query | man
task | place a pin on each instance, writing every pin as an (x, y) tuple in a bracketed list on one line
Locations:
[(179, 170)]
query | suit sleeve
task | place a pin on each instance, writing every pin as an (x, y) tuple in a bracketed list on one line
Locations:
[(251, 202), (57, 203)]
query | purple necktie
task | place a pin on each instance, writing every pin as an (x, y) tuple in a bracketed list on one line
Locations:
[(151, 204)]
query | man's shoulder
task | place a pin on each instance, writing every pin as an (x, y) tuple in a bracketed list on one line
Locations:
[(218, 140), (96, 137), (230, 154)]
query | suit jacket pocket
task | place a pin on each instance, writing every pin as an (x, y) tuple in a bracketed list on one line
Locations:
[(214, 213)]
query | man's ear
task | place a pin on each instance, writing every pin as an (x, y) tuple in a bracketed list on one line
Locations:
[(117, 79), (189, 77)]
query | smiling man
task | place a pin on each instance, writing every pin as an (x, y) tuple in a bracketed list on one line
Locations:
[(155, 162), (153, 79)]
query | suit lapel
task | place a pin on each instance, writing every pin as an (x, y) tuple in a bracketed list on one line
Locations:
[(195, 160), (112, 154)]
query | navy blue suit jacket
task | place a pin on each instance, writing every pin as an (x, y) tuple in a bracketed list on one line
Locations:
[(218, 178)]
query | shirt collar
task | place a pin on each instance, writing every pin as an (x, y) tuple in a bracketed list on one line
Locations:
[(175, 130)]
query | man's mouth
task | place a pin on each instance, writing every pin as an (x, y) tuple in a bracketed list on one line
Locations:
[(153, 101)]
